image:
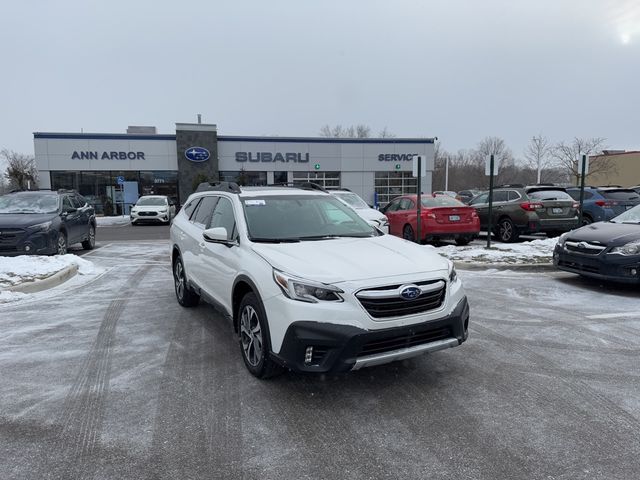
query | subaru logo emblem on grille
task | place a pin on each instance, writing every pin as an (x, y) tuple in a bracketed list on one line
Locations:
[(583, 245), (410, 292)]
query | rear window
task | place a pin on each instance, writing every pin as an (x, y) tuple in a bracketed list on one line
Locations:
[(441, 201), (620, 194), (575, 194), (549, 195)]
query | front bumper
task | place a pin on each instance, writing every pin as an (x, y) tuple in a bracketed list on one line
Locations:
[(339, 348), (159, 217), (21, 242), (605, 266)]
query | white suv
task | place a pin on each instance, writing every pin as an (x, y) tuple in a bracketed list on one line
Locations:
[(371, 215), (308, 284)]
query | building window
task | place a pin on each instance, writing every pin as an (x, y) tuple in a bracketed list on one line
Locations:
[(324, 179), (280, 177), (391, 184), (244, 178)]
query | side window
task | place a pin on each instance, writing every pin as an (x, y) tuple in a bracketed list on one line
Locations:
[(66, 204), (202, 215), (190, 207), (76, 202), (480, 199), (393, 206), (500, 196), (405, 204), (223, 217), (513, 195)]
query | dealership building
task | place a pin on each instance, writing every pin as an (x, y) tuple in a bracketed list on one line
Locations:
[(112, 170)]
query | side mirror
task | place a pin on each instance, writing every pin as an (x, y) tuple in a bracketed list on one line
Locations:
[(218, 235), (69, 210)]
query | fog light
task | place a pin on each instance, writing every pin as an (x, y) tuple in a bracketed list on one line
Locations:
[(308, 356), (634, 271), (27, 248)]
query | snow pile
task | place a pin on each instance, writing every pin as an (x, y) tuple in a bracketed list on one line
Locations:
[(110, 221), (28, 268), (7, 296), (535, 251)]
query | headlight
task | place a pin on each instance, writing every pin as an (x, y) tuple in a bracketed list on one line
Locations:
[(163, 211), (384, 221), (453, 275), (306, 290), (631, 248), (41, 227)]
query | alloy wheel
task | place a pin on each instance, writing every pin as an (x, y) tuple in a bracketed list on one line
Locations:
[(251, 335), (62, 244), (178, 277)]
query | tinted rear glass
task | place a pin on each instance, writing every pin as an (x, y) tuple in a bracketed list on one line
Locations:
[(620, 194), (441, 201), (550, 195)]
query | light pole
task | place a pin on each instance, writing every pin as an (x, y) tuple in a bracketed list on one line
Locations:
[(446, 173)]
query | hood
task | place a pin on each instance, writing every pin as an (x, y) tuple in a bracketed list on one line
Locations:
[(607, 233), (22, 220), (351, 259)]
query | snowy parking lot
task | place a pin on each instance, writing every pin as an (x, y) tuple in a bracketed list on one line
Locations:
[(107, 377)]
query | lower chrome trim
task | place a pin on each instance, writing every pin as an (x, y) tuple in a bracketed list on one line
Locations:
[(386, 357)]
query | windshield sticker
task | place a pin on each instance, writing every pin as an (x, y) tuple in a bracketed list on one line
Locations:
[(253, 203)]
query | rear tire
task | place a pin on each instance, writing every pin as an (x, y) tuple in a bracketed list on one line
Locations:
[(90, 242), (407, 233), (587, 220), (185, 296), (462, 241), (254, 338), (507, 232)]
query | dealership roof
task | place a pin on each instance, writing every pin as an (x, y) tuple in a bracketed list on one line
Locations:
[(227, 138)]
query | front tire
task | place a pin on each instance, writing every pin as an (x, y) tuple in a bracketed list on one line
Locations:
[(90, 243), (254, 338), (185, 296), (507, 232), (61, 244)]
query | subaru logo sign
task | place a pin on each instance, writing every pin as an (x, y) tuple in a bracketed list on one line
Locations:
[(410, 292), (197, 154)]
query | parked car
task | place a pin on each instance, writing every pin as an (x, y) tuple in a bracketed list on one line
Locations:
[(519, 209), (604, 203), (448, 193), (442, 217), (45, 222), (371, 215), (605, 250), (465, 196), (308, 284), (153, 209), (636, 189)]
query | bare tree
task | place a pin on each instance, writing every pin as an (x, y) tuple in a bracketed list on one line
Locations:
[(21, 169), (568, 154), (385, 133), (353, 131), (538, 156)]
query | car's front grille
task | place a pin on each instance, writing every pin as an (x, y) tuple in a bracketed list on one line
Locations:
[(148, 214), (584, 248), (10, 237), (579, 266), (408, 340), (389, 303), (7, 248)]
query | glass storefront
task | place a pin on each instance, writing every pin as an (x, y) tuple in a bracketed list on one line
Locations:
[(102, 190), (391, 184), (324, 179), (243, 177)]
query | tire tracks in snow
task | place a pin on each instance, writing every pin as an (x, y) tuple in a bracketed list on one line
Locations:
[(80, 424)]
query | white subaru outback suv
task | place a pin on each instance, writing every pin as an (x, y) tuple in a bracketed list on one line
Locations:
[(308, 284)]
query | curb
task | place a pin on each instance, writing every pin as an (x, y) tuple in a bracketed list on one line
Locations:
[(46, 283), (527, 267)]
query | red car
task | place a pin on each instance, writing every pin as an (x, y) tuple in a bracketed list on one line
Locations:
[(442, 217)]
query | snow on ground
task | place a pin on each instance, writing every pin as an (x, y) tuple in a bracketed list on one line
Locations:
[(27, 268), (535, 251), (110, 221)]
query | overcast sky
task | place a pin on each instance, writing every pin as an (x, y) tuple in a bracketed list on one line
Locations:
[(456, 69)]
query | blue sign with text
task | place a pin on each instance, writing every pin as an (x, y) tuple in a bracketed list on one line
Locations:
[(120, 180)]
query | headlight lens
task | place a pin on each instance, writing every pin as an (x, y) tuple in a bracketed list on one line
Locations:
[(453, 275), (631, 248), (41, 227), (306, 290)]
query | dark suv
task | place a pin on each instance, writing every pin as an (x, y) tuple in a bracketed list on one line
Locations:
[(603, 203), (45, 222), (519, 209)]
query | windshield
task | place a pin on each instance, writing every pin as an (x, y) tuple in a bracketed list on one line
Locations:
[(302, 217), (351, 199), (29, 203), (151, 201), (630, 216), (441, 201)]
